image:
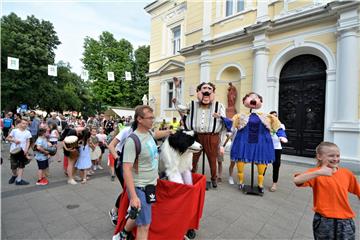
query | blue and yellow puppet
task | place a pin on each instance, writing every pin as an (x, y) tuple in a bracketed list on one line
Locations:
[(253, 142)]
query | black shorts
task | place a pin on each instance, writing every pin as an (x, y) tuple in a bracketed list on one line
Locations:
[(102, 147), (15, 163), (44, 164)]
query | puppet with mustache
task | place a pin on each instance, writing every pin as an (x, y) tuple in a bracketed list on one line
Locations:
[(199, 118)]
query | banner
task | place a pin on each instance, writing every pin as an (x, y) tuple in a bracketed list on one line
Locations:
[(52, 70), (128, 76), (85, 75), (13, 63), (111, 76)]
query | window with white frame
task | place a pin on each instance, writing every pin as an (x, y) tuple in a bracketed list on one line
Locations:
[(234, 6), (176, 35), (173, 92)]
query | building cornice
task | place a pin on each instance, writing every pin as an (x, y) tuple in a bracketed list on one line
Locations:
[(162, 69), (307, 17), (208, 45), (152, 6)]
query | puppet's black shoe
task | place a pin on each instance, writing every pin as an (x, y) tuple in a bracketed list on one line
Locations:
[(214, 184)]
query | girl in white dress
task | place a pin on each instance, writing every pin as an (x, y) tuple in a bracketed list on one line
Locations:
[(84, 161)]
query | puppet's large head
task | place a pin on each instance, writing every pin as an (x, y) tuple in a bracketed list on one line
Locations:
[(252, 100), (205, 93)]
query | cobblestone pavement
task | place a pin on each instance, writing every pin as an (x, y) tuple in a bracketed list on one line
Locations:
[(62, 211)]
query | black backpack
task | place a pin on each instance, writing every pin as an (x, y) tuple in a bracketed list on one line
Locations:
[(119, 163)]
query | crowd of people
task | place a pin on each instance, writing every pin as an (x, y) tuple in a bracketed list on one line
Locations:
[(33, 136)]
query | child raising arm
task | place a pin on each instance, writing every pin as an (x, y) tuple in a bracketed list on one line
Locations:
[(333, 217)]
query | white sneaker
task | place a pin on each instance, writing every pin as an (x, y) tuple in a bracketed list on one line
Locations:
[(94, 168), (116, 237), (72, 182), (231, 181), (77, 178), (100, 167)]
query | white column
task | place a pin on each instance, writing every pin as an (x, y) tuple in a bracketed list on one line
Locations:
[(348, 60), (218, 11), (330, 106), (205, 64), (164, 40), (163, 98), (261, 61), (206, 20), (272, 95), (262, 11), (346, 128)]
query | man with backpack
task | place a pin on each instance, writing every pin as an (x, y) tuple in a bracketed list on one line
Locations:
[(140, 173), (116, 148)]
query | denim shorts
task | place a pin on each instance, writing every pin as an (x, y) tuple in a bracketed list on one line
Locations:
[(331, 228), (144, 217)]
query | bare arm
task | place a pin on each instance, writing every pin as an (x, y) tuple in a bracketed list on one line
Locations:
[(112, 146), (129, 181), (304, 177), (27, 146), (69, 149), (12, 139), (161, 133), (42, 150)]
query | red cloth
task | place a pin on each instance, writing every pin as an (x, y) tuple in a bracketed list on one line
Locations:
[(65, 163), (111, 160), (179, 207)]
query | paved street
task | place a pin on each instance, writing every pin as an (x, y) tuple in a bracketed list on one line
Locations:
[(62, 211)]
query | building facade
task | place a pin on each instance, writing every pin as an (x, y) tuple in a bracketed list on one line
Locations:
[(302, 56)]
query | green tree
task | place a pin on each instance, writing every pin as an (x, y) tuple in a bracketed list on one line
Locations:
[(109, 55), (33, 42), (71, 92), (141, 67)]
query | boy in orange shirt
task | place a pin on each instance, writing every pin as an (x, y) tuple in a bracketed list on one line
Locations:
[(333, 217)]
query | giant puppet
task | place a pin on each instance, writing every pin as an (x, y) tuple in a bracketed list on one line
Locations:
[(199, 117), (253, 142)]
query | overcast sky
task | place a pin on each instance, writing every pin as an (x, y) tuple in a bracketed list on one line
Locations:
[(74, 20)]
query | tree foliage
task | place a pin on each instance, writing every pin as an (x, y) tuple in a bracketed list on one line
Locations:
[(141, 67), (33, 42), (110, 55)]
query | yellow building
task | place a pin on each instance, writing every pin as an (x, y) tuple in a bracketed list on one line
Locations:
[(302, 56)]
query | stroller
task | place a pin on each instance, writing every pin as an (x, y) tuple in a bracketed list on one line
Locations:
[(176, 213)]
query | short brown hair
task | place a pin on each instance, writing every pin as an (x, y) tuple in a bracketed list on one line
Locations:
[(320, 149), (139, 111), (247, 95), (198, 88)]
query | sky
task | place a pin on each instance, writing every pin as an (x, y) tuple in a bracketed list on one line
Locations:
[(75, 20)]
